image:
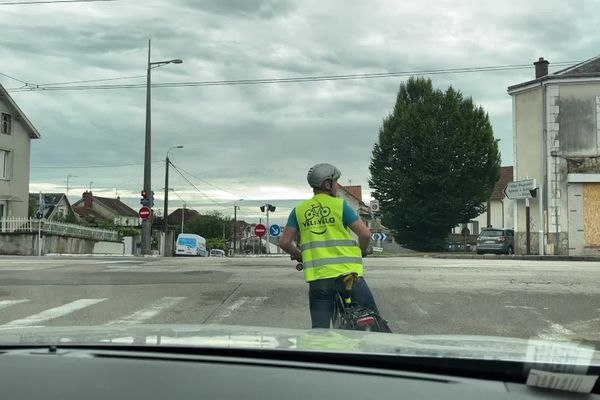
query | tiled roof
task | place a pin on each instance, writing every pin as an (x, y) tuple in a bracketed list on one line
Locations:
[(117, 206), (175, 217), (506, 176), (84, 212), (585, 69), (355, 190)]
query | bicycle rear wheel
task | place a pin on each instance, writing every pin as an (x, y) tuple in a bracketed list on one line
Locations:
[(338, 319)]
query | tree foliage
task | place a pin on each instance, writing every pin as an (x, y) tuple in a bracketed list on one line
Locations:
[(209, 226), (435, 164)]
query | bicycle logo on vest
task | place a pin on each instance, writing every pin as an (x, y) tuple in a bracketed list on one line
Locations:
[(317, 218)]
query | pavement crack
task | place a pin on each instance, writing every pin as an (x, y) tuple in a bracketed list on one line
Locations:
[(221, 304)]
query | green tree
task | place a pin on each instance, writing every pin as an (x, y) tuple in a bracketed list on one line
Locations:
[(209, 226), (435, 164)]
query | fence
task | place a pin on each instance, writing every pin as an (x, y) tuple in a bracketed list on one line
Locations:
[(11, 225)]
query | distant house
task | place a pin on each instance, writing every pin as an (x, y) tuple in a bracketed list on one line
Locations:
[(353, 196), (181, 215), (16, 132), (501, 208), (556, 141), (106, 208), (56, 206)]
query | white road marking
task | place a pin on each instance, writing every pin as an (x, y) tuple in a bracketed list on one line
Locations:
[(252, 302), (7, 303), (148, 312), (52, 313), (556, 332)]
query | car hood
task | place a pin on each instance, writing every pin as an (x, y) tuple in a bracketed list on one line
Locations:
[(321, 340)]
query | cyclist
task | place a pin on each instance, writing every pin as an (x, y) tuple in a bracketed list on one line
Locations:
[(325, 245)]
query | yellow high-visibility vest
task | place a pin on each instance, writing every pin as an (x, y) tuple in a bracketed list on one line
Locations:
[(327, 248)]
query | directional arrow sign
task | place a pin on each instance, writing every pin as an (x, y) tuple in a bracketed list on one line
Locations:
[(275, 230), (379, 236), (519, 190)]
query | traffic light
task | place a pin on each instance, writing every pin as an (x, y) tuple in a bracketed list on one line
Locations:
[(147, 198), (271, 208), (533, 192)]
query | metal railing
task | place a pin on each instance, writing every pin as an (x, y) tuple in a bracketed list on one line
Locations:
[(16, 224)]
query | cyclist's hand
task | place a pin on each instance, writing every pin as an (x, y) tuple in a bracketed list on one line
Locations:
[(297, 258), (364, 253)]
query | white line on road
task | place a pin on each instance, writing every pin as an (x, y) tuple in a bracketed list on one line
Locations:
[(7, 303), (149, 312), (52, 313), (556, 332), (253, 303)]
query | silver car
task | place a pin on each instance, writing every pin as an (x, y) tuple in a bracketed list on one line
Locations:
[(496, 240)]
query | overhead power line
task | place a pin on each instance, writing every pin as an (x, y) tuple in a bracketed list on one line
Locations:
[(196, 187), (88, 166), (209, 184), (237, 82), (19, 3)]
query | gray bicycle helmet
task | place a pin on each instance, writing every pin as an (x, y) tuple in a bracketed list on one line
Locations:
[(319, 173)]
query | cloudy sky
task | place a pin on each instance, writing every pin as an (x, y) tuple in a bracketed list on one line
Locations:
[(256, 142)]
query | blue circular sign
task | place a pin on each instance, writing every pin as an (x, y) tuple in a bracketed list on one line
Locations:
[(275, 230)]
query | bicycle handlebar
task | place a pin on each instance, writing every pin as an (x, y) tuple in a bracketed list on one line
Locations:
[(299, 267)]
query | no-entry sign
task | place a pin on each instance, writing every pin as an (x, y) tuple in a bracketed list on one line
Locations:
[(145, 212), (260, 230)]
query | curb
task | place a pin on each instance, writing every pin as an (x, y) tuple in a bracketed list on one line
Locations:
[(519, 257)]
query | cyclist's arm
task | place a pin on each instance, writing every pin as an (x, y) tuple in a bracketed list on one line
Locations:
[(288, 244), (363, 233)]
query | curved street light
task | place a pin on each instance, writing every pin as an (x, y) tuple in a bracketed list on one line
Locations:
[(146, 223)]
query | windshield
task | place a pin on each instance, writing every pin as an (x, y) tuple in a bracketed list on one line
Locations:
[(126, 124), (489, 233)]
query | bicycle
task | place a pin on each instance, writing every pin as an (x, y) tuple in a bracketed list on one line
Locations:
[(350, 315)]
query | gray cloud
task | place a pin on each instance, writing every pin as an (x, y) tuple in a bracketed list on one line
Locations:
[(244, 138)]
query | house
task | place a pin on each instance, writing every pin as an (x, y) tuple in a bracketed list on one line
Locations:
[(500, 208), (16, 132), (556, 141), (180, 215), (56, 206), (107, 209), (353, 196)]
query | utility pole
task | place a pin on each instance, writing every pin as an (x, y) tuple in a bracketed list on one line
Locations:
[(147, 223), (268, 207), (166, 213)]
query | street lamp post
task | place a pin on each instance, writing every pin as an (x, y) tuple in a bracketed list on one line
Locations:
[(147, 223), (235, 208), (166, 205)]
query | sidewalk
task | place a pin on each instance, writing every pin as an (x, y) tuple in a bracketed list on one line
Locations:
[(467, 256)]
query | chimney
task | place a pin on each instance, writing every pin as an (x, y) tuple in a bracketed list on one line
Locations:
[(541, 68), (87, 199)]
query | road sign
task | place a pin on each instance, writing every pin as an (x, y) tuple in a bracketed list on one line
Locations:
[(260, 230), (520, 190), (378, 249), (145, 212), (379, 236), (275, 230), (374, 205)]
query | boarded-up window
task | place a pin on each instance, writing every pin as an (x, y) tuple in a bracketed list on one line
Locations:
[(577, 125), (591, 214)]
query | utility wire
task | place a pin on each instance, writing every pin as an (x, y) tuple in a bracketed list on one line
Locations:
[(88, 166), (289, 80), (195, 187), (209, 184), (18, 3)]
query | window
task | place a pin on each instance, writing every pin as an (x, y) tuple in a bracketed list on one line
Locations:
[(6, 124), (4, 164)]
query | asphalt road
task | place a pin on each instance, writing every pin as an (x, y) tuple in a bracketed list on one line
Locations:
[(524, 299)]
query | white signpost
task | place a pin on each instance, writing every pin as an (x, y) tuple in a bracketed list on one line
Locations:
[(524, 190)]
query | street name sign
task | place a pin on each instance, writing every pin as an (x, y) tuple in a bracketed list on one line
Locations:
[(520, 190)]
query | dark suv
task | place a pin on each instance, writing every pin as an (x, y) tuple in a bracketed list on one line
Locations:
[(496, 240)]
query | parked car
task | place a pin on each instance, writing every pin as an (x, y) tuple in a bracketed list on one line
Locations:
[(496, 240), (217, 253)]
